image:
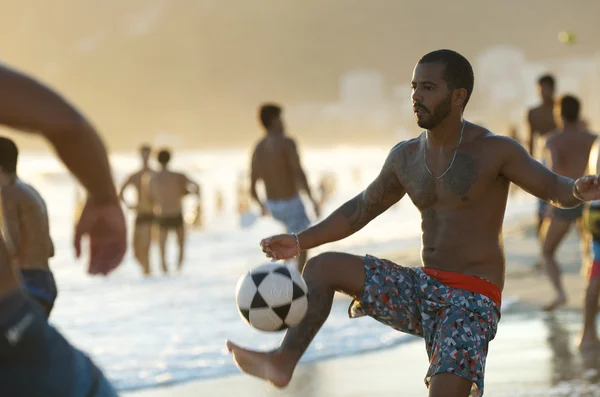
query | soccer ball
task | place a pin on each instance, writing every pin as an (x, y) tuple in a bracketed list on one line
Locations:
[(272, 297)]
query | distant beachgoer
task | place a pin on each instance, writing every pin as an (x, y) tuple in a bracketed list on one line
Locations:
[(26, 219), (541, 120), (326, 188), (219, 202), (568, 152), (167, 190), (144, 220), (276, 162), (457, 174)]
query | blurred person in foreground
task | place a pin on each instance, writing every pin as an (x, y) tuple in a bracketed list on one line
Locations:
[(568, 151), (36, 360), (144, 218), (27, 223), (458, 175), (276, 162)]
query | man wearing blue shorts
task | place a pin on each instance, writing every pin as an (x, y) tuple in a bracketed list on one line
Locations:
[(27, 224), (276, 162), (35, 359), (458, 175)]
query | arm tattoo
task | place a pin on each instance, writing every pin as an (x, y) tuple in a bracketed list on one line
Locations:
[(385, 191)]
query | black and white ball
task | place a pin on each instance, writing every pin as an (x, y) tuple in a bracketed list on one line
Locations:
[(272, 297)]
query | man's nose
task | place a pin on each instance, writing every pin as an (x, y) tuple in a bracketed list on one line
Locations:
[(416, 96)]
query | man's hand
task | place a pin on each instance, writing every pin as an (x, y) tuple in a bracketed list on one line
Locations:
[(282, 246), (105, 226), (587, 188)]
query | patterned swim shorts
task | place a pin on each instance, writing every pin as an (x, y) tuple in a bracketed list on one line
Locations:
[(457, 324)]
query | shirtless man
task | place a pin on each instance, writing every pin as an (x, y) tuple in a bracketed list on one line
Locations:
[(276, 162), (36, 360), (142, 233), (568, 152), (27, 224), (541, 121), (457, 174), (167, 190)]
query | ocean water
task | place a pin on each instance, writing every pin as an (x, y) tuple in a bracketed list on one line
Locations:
[(167, 329)]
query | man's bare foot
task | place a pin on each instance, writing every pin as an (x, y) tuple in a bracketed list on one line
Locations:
[(558, 302), (259, 364)]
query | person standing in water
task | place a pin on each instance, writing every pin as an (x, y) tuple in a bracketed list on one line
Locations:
[(541, 120), (144, 219), (167, 190), (568, 152)]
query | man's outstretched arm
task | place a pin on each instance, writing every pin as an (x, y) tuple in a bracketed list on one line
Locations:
[(27, 105), (521, 169), (381, 194)]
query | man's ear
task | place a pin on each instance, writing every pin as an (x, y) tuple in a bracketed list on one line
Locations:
[(459, 96)]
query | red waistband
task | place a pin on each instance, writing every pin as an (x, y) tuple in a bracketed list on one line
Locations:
[(466, 282)]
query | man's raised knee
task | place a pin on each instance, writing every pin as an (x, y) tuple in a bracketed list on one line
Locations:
[(319, 264), (343, 272)]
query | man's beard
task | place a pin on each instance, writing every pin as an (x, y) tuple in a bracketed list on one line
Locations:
[(438, 115)]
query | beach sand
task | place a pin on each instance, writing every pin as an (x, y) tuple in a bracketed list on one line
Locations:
[(533, 354)]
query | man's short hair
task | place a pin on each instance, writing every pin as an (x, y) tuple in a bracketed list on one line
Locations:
[(569, 108), (9, 155), (268, 112), (458, 71), (548, 80), (164, 156), (144, 147)]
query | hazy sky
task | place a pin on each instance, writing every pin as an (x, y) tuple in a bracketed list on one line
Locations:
[(199, 68)]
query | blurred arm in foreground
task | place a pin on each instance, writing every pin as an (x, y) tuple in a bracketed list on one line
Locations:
[(37, 360), (29, 106)]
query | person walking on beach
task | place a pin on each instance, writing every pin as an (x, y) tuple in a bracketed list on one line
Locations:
[(276, 162), (36, 360), (144, 219), (568, 152), (26, 221), (167, 190), (458, 175), (541, 121)]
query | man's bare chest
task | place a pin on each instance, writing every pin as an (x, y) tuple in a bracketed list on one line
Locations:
[(464, 182)]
